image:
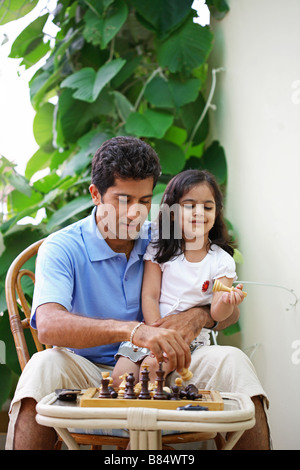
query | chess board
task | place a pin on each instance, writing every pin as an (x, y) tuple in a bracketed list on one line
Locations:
[(210, 399)]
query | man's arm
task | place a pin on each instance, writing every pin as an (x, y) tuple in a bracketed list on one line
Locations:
[(56, 326), (190, 323)]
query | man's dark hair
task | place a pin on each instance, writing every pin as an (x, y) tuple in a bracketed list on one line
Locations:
[(125, 158)]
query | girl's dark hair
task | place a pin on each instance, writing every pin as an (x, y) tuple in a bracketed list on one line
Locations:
[(173, 246), (124, 157)]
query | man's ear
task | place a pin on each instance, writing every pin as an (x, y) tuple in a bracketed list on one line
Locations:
[(96, 197)]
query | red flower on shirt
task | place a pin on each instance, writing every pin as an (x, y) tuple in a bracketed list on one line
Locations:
[(205, 286)]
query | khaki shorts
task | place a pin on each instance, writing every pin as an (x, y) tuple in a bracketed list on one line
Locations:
[(222, 368)]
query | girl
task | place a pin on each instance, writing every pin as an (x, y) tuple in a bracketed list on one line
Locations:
[(191, 251)]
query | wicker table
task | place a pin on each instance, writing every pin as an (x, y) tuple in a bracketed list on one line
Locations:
[(145, 424)]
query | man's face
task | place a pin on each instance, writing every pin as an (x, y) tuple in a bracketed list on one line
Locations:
[(123, 209)]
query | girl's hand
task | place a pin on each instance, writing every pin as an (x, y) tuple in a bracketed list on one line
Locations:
[(235, 297)]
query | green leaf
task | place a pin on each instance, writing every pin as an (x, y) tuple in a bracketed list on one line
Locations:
[(89, 143), (149, 124), (163, 16), (190, 114), (34, 56), (172, 93), (44, 185), (6, 382), (89, 83), (123, 105), (187, 48), (132, 62), (100, 30), (19, 202), (19, 182), (42, 125), (218, 8), (75, 116), (40, 85), (176, 134), (11, 10), (171, 156), (29, 39), (70, 210), (231, 330), (214, 160), (39, 160), (238, 257)]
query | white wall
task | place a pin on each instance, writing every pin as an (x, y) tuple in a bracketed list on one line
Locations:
[(258, 123)]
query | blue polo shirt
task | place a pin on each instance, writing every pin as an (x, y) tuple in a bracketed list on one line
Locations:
[(77, 269)]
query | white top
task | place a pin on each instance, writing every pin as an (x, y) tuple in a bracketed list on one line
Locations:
[(185, 284)]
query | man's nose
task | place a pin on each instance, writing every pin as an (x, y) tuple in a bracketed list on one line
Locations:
[(136, 211)]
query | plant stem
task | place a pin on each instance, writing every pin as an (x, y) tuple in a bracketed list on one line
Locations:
[(208, 103)]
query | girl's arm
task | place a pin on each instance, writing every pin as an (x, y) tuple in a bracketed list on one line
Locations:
[(223, 303), (151, 292)]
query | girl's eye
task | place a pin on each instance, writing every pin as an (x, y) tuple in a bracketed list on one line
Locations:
[(207, 208), (188, 206)]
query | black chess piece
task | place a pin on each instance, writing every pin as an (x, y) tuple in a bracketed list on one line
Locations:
[(145, 393), (192, 392), (129, 393), (112, 392), (104, 391), (159, 394), (176, 390)]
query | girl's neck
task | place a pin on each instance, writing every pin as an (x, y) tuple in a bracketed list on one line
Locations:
[(195, 251)]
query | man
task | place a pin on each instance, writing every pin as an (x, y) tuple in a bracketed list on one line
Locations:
[(87, 300)]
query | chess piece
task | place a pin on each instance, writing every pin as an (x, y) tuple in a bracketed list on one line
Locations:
[(159, 394), (138, 388), (186, 374), (129, 393), (192, 392), (181, 391), (104, 391), (175, 392), (145, 393), (219, 286), (122, 386)]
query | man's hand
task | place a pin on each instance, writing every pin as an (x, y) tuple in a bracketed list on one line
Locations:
[(189, 323), (165, 344)]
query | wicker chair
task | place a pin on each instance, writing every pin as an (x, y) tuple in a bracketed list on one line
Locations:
[(19, 316)]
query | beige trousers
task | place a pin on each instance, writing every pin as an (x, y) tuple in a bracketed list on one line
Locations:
[(222, 368)]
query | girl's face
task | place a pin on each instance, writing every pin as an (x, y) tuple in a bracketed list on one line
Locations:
[(198, 213)]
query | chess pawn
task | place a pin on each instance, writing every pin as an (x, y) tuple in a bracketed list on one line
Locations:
[(186, 375), (129, 394), (175, 392)]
